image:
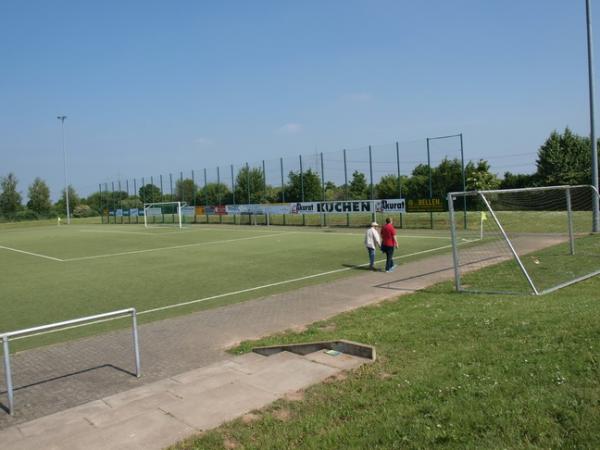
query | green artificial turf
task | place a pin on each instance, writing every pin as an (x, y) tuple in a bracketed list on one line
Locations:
[(101, 268)]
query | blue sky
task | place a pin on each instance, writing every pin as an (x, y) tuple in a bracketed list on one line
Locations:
[(157, 87)]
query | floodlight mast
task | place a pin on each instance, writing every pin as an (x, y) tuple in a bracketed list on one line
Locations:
[(596, 204), (62, 120)]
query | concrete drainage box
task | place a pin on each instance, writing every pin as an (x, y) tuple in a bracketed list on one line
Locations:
[(342, 346)]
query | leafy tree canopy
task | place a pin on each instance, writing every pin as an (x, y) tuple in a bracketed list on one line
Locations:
[(39, 197), (10, 198)]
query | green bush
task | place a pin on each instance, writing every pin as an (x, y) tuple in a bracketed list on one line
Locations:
[(82, 210)]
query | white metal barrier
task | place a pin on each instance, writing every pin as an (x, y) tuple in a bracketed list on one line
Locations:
[(36, 330)]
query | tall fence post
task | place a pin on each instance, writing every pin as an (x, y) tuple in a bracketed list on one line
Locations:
[(323, 216), (464, 181), (181, 190), (232, 185), (346, 186), (302, 189), (120, 201), (399, 181), (194, 193), (219, 192), (248, 181), (100, 204), (282, 185), (264, 180), (135, 192), (430, 184), (114, 206), (373, 214), (233, 191), (127, 187), (205, 197), (106, 201)]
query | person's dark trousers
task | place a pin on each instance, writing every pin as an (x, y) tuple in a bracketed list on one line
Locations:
[(389, 255), (371, 257)]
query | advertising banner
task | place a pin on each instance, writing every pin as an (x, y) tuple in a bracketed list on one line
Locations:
[(279, 208), (134, 212), (188, 211), (245, 209), (220, 210), (271, 208), (350, 207), (426, 205), (390, 205), (119, 213)]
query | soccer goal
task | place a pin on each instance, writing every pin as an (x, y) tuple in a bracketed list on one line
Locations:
[(163, 213), (538, 240)]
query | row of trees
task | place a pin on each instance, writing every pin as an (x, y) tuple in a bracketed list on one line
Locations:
[(563, 159), (39, 205), (250, 187)]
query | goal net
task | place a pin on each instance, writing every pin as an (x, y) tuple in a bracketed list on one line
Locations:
[(163, 213), (537, 239)]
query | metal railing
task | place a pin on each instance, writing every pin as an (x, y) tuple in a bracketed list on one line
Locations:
[(37, 330)]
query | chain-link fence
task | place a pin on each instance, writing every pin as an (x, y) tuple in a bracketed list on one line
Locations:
[(397, 170)]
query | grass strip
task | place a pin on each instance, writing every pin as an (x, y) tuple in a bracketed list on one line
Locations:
[(454, 371)]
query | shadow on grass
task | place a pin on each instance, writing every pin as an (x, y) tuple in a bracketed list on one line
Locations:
[(360, 267)]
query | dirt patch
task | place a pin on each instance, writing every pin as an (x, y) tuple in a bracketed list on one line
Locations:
[(249, 418), (335, 378), (230, 443), (297, 396), (282, 414), (328, 327)]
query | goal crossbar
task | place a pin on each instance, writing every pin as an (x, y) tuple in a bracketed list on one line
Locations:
[(153, 207)]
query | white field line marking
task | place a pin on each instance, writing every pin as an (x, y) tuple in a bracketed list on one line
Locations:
[(278, 283), (32, 254), (228, 294), (135, 252), (142, 233)]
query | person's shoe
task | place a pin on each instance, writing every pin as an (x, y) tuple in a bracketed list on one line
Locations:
[(391, 269)]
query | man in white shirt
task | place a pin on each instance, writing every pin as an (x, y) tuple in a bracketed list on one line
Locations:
[(372, 242)]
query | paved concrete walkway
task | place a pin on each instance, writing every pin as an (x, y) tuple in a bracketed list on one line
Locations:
[(159, 414), (63, 376)]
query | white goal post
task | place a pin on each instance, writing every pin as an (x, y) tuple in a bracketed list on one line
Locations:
[(538, 239), (161, 209)]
